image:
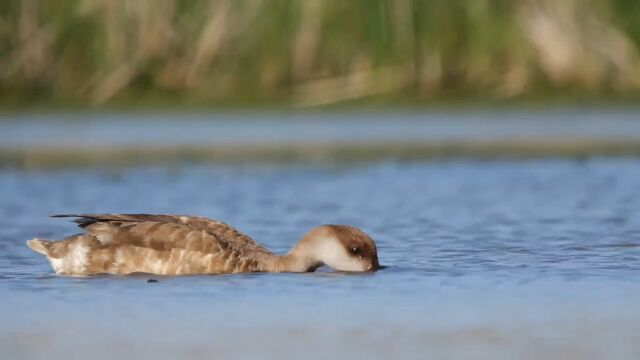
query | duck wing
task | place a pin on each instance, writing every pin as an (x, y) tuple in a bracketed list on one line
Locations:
[(166, 232)]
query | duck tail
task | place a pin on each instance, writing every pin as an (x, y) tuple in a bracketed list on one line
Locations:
[(39, 246)]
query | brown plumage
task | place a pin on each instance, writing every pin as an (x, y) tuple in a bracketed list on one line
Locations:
[(179, 245)]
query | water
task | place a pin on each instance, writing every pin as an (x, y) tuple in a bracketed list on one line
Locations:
[(152, 129), (486, 260)]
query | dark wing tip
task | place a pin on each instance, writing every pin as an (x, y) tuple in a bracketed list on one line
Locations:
[(83, 220)]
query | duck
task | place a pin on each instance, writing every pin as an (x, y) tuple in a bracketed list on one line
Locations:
[(123, 244)]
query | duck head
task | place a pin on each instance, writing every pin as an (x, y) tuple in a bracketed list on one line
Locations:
[(341, 247)]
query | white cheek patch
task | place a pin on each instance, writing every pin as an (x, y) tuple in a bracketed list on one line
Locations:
[(334, 255)]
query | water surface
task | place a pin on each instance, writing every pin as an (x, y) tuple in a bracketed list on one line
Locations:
[(152, 129), (486, 260)]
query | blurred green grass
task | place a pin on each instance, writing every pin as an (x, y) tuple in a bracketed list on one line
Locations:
[(77, 53)]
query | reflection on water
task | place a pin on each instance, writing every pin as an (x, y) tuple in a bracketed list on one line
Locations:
[(490, 260)]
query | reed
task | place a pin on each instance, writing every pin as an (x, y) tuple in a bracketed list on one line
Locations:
[(309, 53)]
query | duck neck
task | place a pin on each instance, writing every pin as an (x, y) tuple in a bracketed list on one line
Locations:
[(301, 258), (293, 262)]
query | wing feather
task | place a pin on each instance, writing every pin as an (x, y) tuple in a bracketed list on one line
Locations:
[(165, 232)]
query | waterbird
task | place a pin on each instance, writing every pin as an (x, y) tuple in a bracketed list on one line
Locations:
[(122, 244)]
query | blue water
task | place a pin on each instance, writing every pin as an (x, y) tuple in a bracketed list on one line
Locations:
[(486, 260), (73, 130)]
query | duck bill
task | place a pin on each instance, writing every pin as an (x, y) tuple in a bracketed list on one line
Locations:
[(375, 266)]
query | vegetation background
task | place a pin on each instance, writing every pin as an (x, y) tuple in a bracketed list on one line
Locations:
[(309, 53)]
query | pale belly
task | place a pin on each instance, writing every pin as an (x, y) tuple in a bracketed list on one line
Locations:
[(127, 259)]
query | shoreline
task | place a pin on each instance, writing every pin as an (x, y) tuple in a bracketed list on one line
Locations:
[(59, 157)]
